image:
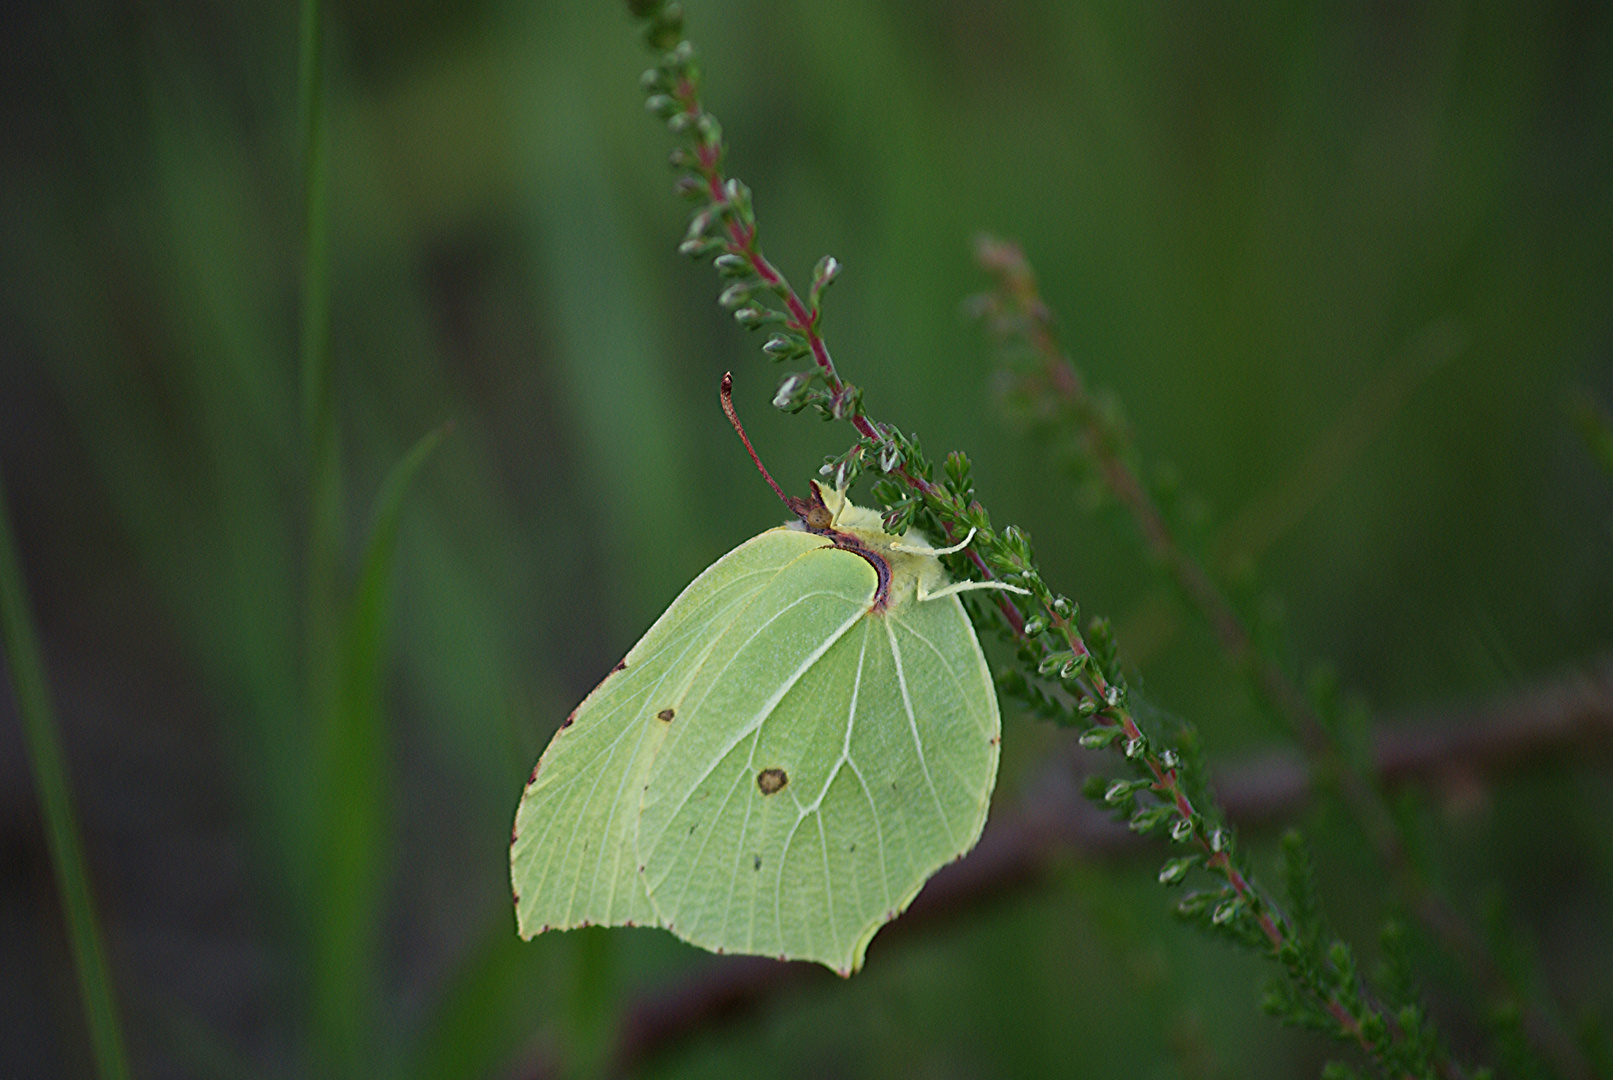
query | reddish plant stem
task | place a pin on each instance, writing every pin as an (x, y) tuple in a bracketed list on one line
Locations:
[(742, 241)]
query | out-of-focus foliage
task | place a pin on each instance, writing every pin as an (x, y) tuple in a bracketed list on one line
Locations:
[(1255, 222)]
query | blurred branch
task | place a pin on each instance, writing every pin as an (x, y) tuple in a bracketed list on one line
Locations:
[(1020, 849)]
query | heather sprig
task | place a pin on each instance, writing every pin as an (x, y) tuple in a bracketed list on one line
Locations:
[(1063, 673)]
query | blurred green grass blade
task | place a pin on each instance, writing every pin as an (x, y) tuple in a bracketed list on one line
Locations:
[(351, 828), (323, 539), (56, 807), (316, 292), (318, 407), (488, 1012), (366, 625), (1596, 428), (349, 785)]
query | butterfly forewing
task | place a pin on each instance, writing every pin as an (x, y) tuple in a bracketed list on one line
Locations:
[(573, 852)]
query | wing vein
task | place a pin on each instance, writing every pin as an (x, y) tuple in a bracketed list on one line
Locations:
[(957, 677), (879, 832), (912, 726), (828, 885), (704, 840), (632, 701), (761, 715)]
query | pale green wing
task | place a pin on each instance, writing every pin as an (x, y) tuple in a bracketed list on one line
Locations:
[(835, 761), (572, 852)]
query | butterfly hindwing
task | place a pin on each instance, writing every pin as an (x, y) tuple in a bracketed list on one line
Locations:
[(838, 759)]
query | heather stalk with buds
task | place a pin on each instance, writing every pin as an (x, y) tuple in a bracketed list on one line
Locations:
[(1062, 672)]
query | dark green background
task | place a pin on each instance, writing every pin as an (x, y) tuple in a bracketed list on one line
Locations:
[(1250, 219)]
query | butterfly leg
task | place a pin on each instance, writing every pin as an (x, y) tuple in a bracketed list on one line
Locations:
[(968, 586)]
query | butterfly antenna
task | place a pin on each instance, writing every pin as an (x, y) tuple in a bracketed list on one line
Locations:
[(733, 418)]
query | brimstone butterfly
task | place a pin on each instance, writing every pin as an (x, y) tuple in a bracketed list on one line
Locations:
[(802, 739)]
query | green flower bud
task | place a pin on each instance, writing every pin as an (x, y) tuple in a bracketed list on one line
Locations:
[(1146, 821), (790, 391), (1117, 792), (1194, 902), (698, 224), (1053, 661), (1174, 871), (1099, 737), (822, 275), (699, 247), (826, 271)]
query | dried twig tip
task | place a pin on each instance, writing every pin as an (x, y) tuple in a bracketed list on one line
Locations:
[(727, 397)]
